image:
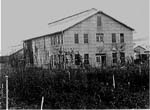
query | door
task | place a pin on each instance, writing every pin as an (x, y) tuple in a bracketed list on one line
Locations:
[(101, 60)]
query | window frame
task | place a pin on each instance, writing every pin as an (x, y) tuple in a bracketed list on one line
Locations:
[(98, 59), (99, 37)]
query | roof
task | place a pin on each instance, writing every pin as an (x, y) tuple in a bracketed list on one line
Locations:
[(139, 47), (65, 23)]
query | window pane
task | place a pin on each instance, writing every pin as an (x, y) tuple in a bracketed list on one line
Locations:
[(76, 38), (113, 37), (85, 38)]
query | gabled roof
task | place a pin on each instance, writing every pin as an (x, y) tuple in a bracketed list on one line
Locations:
[(139, 47), (65, 23)]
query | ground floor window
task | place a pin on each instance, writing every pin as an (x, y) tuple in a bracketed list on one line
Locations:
[(114, 56), (77, 59), (122, 57), (86, 58)]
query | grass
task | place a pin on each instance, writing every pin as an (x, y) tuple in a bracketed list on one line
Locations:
[(84, 88)]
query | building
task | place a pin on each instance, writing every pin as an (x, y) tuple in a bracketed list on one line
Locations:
[(92, 37), (141, 54), (16, 59)]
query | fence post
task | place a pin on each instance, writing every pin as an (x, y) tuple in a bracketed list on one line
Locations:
[(69, 74), (6, 92), (113, 81), (42, 103)]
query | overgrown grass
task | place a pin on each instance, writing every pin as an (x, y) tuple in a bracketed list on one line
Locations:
[(83, 88)]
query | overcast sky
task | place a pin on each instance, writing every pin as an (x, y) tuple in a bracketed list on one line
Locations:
[(21, 19)]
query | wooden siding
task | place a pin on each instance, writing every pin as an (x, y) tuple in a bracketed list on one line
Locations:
[(107, 27)]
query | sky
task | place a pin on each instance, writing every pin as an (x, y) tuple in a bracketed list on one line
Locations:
[(22, 19)]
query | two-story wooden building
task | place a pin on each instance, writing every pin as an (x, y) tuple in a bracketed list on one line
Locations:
[(98, 38)]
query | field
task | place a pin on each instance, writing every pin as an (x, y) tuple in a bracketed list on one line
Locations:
[(89, 88)]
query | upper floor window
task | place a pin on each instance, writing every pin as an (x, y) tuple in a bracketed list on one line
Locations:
[(98, 59), (58, 39), (85, 38), (99, 23), (121, 38), (76, 38), (100, 37), (113, 38), (51, 40), (61, 39)]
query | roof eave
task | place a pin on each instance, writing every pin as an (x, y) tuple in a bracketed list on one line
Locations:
[(117, 21)]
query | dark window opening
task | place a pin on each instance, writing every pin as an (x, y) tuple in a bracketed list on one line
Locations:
[(61, 39), (122, 38), (86, 58), (77, 59)]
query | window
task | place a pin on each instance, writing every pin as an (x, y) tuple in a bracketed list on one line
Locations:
[(99, 21), (85, 38), (61, 39), (86, 58), (99, 37), (76, 39), (121, 38), (51, 40), (113, 38), (122, 57), (77, 59), (58, 39), (114, 55), (98, 59), (54, 40)]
